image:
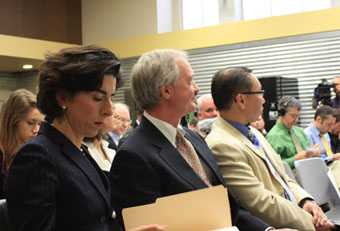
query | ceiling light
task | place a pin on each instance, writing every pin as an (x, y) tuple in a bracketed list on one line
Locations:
[(27, 66)]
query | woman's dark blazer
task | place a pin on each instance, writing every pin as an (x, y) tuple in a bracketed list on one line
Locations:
[(52, 185)]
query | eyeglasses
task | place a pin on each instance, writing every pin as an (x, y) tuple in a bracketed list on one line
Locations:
[(123, 120), (294, 116), (253, 92)]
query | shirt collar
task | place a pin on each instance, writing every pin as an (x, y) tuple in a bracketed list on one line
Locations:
[(314, 129), (240, 127), (165, 128)]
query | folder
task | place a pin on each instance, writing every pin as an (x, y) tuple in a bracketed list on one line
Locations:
[(200, 210)]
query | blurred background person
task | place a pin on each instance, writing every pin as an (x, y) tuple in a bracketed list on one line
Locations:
[(20, 121), (204, 126), (259, 125), (133, 126), (206, 107), (193, 124), (334, 133), (335, 102), (122, 124), (53, 182), (317, 132), (98, 147), (287, 139)]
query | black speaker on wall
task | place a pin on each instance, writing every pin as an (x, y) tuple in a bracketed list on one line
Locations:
[(275, 88)]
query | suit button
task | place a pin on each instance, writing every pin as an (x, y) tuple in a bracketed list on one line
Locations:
[(103, 219)]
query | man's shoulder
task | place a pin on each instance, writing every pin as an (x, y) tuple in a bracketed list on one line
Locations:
[(274, 131), (309, 130)]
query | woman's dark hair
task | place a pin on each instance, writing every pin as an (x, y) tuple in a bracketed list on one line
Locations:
[(74, 69)]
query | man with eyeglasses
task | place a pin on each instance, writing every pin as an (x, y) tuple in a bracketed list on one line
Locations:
[(250, 167), (122, 124), (317, 132), (287, 139)]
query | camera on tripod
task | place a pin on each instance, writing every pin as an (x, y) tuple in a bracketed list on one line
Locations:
[(322, 93)]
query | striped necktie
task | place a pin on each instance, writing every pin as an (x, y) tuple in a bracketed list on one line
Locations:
[(189, 154)]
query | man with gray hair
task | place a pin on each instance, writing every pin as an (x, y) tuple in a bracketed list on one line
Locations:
[(121, 112), (287, 139), (206, 107), (161, 158)]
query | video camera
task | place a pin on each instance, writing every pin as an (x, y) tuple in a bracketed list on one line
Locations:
[(322, 93)]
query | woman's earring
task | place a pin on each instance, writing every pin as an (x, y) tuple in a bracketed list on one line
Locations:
[(63, 107)]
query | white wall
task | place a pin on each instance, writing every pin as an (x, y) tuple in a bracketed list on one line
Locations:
[(108, 20), (335, 3)]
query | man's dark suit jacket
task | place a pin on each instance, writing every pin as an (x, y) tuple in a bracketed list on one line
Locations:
[(112, 144), (148, 166), (52, 185)]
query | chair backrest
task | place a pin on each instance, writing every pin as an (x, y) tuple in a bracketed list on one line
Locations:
[(4, 217), (289, 171), (313, 175)]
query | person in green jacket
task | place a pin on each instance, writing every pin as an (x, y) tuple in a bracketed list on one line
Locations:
[(287, 139)]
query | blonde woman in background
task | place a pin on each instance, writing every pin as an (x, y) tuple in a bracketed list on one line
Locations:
[(19, 122)]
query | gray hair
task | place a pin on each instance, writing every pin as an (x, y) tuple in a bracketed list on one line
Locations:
[(288, 102), (200, 100), (204, 126), (121, 105), (152, 70)]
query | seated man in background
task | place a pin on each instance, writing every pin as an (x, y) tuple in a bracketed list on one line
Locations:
[(206, 107), (161, 158), (204, 126), (135, 124), (259, 125), (317, 132), (121, 113), (193, 124), (335, 102), (287, 139), (334, 133), (250, 167)]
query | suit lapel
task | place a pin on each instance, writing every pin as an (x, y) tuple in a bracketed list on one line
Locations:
[(171, 156), (228, 129), (235, 133), (204, 153), (80, 160)]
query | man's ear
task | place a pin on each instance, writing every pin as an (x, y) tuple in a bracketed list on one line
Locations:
[(166, 91), (239, 100), (319, 119)]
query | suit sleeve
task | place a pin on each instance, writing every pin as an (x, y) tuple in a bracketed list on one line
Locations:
[(133, 182), (262, 203), (31, 189)]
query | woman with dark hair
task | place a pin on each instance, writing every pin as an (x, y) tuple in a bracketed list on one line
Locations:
[(20, 120), (53, 182)]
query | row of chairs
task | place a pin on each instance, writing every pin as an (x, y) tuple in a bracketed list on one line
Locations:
[(316, 178)]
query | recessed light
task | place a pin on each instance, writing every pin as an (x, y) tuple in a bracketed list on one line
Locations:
[(27, 66)]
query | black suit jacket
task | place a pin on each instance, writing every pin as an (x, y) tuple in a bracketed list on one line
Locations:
[(52, 185), (148, 166), (112, 144)]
